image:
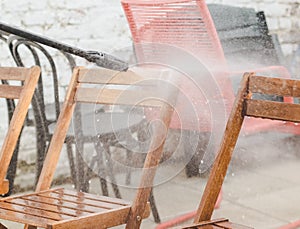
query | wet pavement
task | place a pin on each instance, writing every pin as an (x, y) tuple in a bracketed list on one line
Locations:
[(261, 188)]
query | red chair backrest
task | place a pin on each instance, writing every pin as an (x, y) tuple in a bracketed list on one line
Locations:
[(186, 24), (157, 26)]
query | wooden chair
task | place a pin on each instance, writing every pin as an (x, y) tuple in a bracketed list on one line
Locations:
[(247, 103), (46, 107), (59, 208), (23, 93)]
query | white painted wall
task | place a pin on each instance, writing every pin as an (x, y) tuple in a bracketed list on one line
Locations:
[(101, 24)]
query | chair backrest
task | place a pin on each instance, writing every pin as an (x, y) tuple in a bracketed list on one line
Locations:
[(186, 24), (182, 33), (245, 37), (24, 93), (247, 103), (100, 86)]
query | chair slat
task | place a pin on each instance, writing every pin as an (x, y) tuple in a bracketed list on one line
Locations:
[(106, 76), (66, 204), (205, 223), (28, 210), (10, 92), (112, 218), (92, 197), (273, 110), (19, 115), (274, 86), (18, 206), (79, 201), (117, 97), (22, 218), (14, 73)]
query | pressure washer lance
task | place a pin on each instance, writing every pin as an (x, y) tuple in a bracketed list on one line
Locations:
[(99, 58)]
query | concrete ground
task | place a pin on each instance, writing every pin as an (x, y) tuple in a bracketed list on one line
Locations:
[(261, 188)]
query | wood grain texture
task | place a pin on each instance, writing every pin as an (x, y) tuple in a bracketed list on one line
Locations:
[(118, 97), (106, 76), (273, 110), (59, 136), (10, 92), (274, 86), (14, 73), (25, 95), (223, 158), (4, 186)]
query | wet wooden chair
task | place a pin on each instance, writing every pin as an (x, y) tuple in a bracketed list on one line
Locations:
[(59, 208), (247, 103), (23, 92)]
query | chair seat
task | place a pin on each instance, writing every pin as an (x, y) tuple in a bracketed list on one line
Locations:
[(60, 208), (217, 224)]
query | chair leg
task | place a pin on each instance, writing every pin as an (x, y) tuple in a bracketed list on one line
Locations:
[(2, 226), (42, 134), (80, 180), (128, 160), (154, 208), (196, 154), (101, 169), (12, 169), (109, 168), (101, 172), (11, 172), (71, 162)]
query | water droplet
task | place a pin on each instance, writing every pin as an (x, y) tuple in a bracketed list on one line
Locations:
[(232, 174)]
